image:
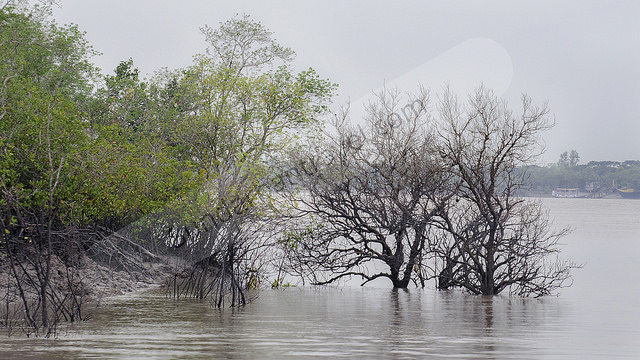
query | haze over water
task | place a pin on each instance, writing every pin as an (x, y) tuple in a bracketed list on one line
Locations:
[(596, 318)]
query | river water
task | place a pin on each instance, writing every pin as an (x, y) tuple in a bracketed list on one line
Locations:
[(596, 318)]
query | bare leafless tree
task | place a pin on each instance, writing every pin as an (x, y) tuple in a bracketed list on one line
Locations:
[(493, 239), (367, 197), (427, 196)]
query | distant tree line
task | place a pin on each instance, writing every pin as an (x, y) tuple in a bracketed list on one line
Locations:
[(595, 176)]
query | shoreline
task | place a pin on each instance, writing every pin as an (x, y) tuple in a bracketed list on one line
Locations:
[(85, 286)]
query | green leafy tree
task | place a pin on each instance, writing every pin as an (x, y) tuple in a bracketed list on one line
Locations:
[(232, 115), (130, 168), (44, 73), (574, 158)]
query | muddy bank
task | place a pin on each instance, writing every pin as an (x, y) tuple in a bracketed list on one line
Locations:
[(100, 281), (72, 293), (93, 279)]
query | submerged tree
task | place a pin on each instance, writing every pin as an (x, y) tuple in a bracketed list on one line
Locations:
[(368, 197), (436, 196), (493, 239)]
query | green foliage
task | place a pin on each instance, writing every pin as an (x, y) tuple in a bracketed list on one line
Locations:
[(279, 283), (184, 154), (242, 44), (236, 110), (569, 159), (291, 238), (595, 176), (86, 157), (44, 72)]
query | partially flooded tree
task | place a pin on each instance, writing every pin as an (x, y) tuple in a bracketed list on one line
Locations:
[(215, 127), (494, 240), (217, 243), (435, 196), (367, 197), (236, 110)]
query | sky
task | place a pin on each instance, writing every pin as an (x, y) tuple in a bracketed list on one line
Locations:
[(582, 58)]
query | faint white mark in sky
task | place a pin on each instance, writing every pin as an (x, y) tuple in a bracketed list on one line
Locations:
[(461, 68)]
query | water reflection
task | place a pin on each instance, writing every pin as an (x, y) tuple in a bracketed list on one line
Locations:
[(484, 327), (330, 323)]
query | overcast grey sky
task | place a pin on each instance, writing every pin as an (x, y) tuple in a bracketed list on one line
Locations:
[(583, 57)]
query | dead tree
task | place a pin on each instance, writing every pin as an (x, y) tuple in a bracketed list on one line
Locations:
[(365, 198), (492, 239)]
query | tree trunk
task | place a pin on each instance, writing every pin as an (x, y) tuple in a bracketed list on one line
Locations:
[(488, 288), (400, 283)]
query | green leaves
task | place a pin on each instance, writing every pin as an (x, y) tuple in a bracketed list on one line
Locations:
[(241, 101), (244, 46), (207, 134)]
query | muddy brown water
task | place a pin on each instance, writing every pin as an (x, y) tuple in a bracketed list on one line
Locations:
[(597, 318)]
